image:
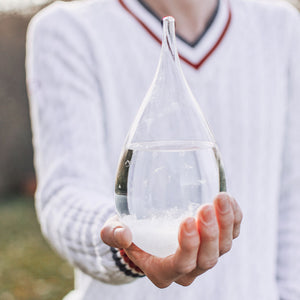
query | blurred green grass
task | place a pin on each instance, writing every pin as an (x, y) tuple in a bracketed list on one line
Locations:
[(29, 269)]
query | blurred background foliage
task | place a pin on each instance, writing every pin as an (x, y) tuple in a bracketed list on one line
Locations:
[(29, 269)]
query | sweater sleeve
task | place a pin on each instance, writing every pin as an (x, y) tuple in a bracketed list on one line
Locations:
[(288, 272), (73, 198)]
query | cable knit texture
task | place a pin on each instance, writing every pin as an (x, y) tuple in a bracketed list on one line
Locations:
[(89, 65)]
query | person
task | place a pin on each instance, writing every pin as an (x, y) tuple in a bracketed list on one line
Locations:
[(89, 65)]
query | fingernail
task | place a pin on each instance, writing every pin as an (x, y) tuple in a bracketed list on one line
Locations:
[(223, 204), (119, 229), (189, 225), (207, 214)]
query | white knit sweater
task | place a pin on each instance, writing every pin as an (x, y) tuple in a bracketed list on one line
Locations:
[(89, 65)]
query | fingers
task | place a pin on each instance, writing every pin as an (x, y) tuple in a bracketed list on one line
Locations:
[(225, 217), (218, 224), (189, 242), (209, 232), (185, 259), (115, 234)]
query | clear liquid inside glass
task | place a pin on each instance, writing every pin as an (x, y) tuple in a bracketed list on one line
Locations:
[(160, 183)]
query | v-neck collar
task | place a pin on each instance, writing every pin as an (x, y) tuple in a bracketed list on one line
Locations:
[(193, 56), (197, 40)]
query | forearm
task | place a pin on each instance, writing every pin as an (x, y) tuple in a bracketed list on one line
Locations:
[(71, 220), (75, 181)]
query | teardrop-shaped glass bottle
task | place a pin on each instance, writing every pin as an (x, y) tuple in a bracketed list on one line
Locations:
[(170, 164)]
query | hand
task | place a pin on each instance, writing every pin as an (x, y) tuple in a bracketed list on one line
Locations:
[(201, 241)]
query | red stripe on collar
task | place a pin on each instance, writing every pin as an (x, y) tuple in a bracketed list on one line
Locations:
[(194, 65)]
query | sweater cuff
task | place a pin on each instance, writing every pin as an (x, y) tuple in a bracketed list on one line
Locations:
[(125, 265)]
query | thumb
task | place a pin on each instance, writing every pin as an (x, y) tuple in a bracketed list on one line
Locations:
[(115, 234)]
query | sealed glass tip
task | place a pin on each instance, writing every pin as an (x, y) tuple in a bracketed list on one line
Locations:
[(169, 36)]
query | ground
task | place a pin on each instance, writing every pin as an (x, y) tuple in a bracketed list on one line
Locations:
[(29, 269)]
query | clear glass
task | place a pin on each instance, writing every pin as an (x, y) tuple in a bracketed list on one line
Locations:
[(170, 163)]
